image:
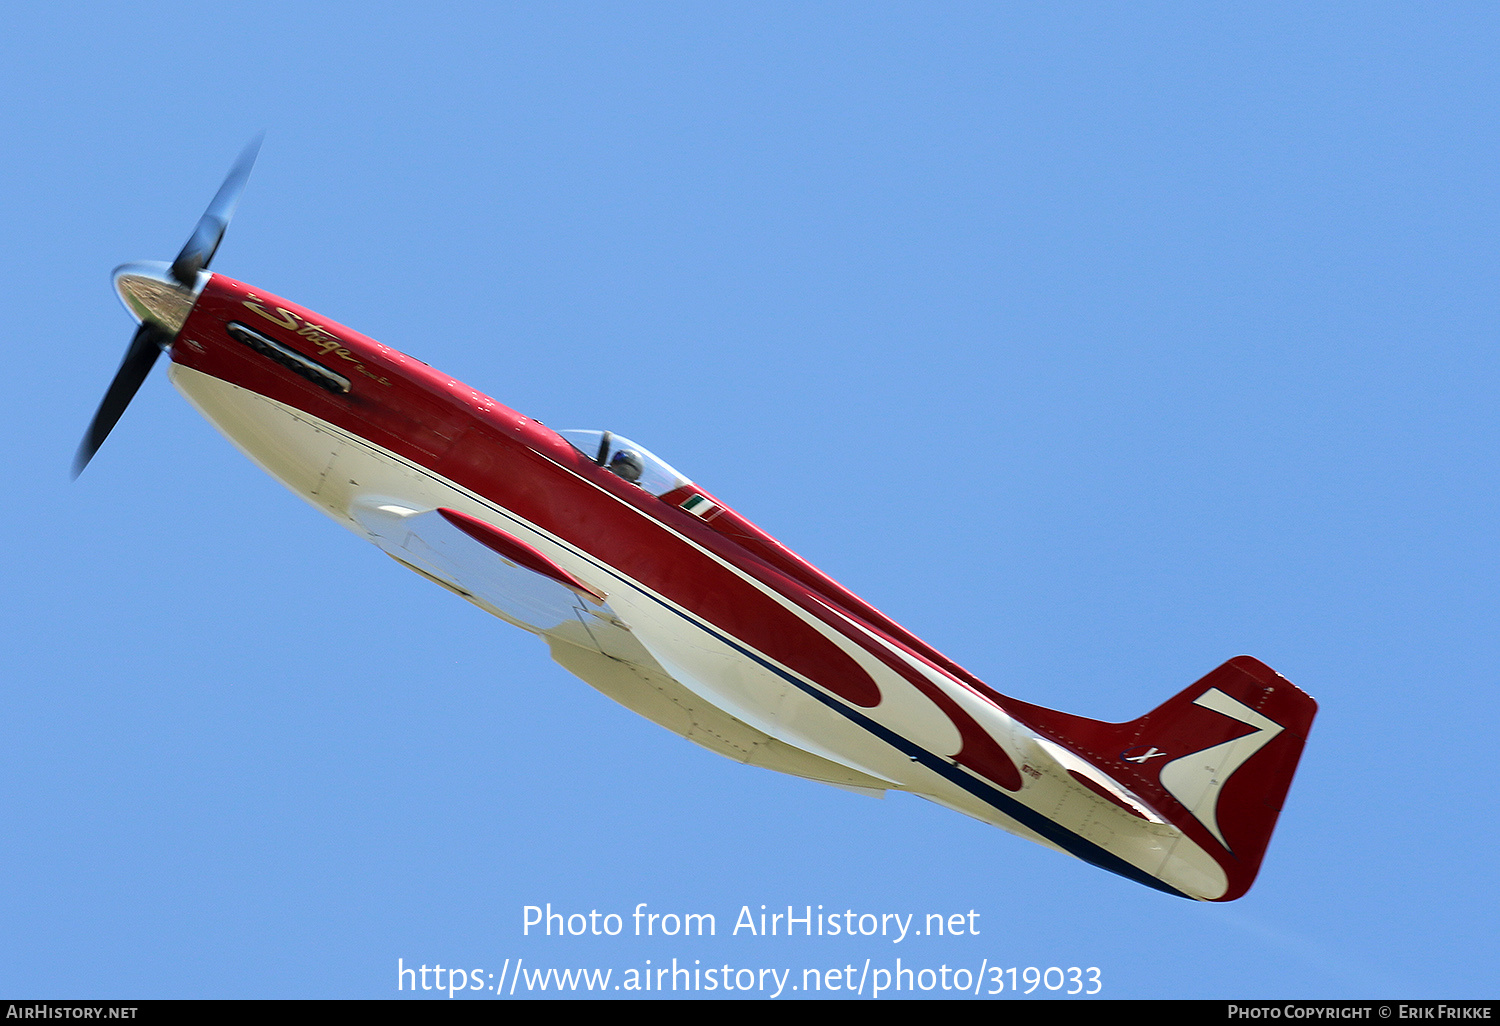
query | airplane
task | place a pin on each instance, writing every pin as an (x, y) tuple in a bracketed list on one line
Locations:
[(657, 593)]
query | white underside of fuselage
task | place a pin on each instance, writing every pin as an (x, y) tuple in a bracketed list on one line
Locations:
[(669, 665)]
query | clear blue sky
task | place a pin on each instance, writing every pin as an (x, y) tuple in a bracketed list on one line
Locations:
[(1096, 343)]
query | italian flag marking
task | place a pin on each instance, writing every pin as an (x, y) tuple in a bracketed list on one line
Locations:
[(699, 506)]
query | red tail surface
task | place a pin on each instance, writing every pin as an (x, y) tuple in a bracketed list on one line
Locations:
[(1216, 760)]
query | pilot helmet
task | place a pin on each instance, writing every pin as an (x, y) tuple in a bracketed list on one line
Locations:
[(627, 463)]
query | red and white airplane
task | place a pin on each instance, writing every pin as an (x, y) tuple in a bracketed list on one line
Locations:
[(657, 593)]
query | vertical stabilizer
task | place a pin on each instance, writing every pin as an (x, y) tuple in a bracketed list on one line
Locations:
[(1215, 760)]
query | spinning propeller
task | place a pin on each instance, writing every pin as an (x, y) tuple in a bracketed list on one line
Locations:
[(161, 297)]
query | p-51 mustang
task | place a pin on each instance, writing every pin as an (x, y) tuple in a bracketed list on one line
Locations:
[(658, 594)]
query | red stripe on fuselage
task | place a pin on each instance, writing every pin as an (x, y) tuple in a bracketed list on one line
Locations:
[(405, 406)]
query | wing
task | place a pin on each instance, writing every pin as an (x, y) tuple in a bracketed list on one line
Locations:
[(515, 581), (492, 569)]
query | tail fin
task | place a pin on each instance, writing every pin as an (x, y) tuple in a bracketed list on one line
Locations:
[(1215, 761)]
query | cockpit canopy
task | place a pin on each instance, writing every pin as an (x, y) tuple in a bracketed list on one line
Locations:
[(624, 457)]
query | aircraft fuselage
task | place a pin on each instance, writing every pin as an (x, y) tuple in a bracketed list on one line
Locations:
[(670, 602)]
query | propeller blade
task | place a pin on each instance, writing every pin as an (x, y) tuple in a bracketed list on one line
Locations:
[(204, 241), (139, 358), (157, 303)]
